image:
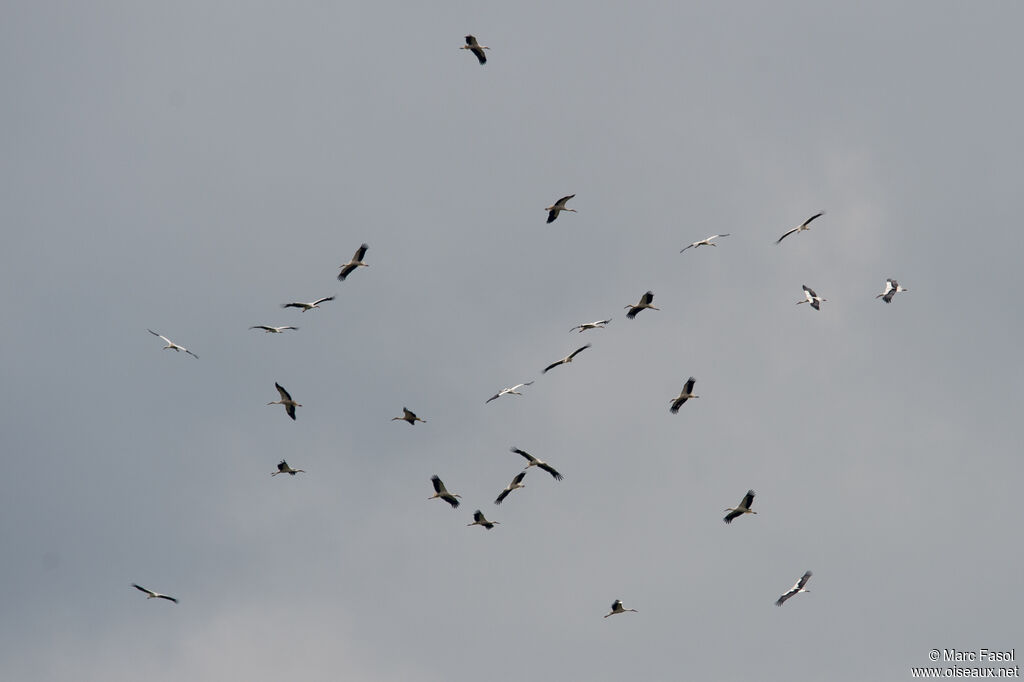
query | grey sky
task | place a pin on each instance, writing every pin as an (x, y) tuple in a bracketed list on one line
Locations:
[(188, 167)]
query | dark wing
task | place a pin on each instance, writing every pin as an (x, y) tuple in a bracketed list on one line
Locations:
[(633, 312), (888, 295), (323, 300), (450, 499), (261, 326), (345, 272), (438, 485), (471, 41), (551, 470), (525, 454), (164, 596), (478, 516), (748, 499), (782, 600), (616, 605), (284, 394), (293, 305), (561, 202), (481, 57), (191, 353), (552, 215), (809, 290), (688, 247), (290, 409), (647, 298), (812, 219), (142, 589), (676, 405), (732, 515), (688, 386), (282, 466), (816, 304), (578, 351), (553, 364), (493, 397), (779, 240), (803, 580), (361, 252), (503, 495)]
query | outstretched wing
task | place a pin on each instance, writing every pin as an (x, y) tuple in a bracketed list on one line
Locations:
[(527, 455), (551, 470)]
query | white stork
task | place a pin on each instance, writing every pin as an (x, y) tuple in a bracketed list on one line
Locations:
[(283, 468), (568, 358), (599, 324), (557, 207), (517, 482), (812, 298), (356, 262), (534, 462), (480, 520), (150, 594), (286, 400), (805, 225), (409, 416), (685, 394), (271, 330), (308, 306), (743, 508), (705, 242), (617, 608), (173, 346), (799, 587), (442, 492), (511, 390), (892, 288), (476, 48), (645, 302)]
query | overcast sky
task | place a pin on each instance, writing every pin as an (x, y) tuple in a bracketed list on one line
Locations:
[(187, 167)]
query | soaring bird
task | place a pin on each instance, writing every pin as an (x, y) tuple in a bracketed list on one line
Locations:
[(590, 325), (480, 520), (685, 394), (618, 608), (286, 400), (645, 302), (283, 468), (476, 48), (534, 462), (517, 482), (743, 508), (442, 492), (705, 242), (308, 306), (892, 288), (150, 594), (799, 587), (356, 262), (812, 298), (171, 345), (566, 359), (271, 330), (805, 225), (511, 390), (409, 416), (557, 207)]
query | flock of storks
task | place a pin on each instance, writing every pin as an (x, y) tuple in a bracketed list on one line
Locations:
[(892, 287)]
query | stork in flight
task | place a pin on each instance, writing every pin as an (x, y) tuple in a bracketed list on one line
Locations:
[(409, 416), (805, 225), (271, 330), (480, 520), (150, 594), (511, 390), (645, 302), (476, 48), (173, 346), (308, 306), (356, 262), (892, 288), (743, 508), (618, 608), (568, 358), (599, 324), (283, 468), (517, 482), (534, 462), (286, 400), (685, 394), (812, 298), (705, 242), (557, 207), (799, 587), (442, 492)]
